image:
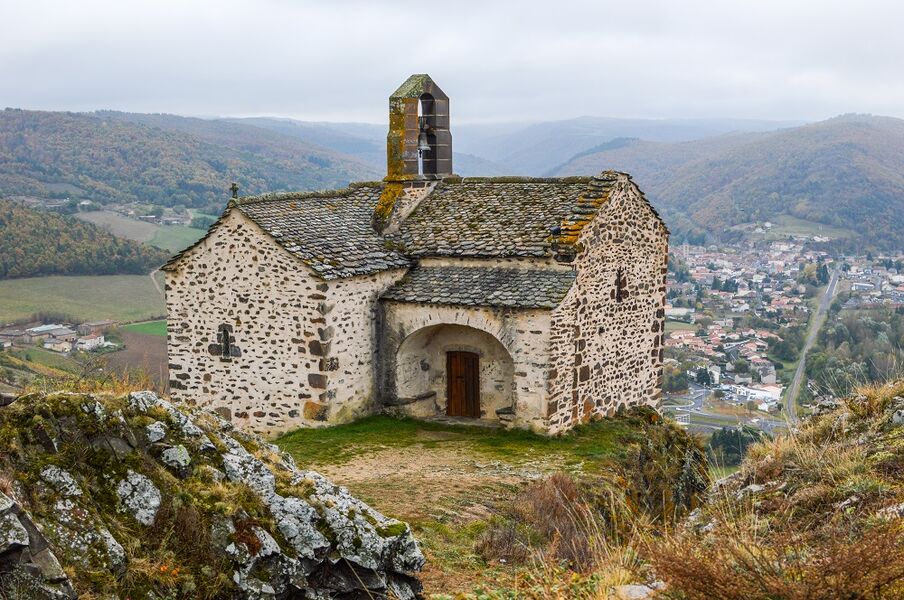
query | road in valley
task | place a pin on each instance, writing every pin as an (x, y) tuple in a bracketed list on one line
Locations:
[(815, 325), (699, 418)]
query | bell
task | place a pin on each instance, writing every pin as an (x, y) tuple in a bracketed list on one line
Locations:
[(422, 144)]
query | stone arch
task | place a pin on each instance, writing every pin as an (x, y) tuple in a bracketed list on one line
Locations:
[(420, 375)]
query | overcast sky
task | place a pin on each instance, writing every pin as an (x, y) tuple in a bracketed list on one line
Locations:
[(498, 61)]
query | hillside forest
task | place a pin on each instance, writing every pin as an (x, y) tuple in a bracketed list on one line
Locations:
[(857, 347), (35, 242)]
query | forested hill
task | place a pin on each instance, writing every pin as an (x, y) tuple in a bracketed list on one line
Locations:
[(41, 243), (846, 172), (157, 159)]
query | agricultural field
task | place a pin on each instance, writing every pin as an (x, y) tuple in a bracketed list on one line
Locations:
[(155, 328), (123, 298), (143, 353), (168, 237), (786, 225), (176, 237), (120, 225), (678, 326)]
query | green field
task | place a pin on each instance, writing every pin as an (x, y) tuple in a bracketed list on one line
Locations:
[(678, 326), (148, 328), (786, 225), (122, 298), (46, 358), (120, 225), (176, 237), (169, 237)]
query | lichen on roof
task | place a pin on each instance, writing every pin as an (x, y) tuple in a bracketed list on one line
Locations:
[(413, 87), (338, 232)]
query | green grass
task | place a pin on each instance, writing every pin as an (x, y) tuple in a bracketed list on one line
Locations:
[(148, 328), (336, 445), (718, 472), (122, 298), (176, 237), (46, 358), (786, 225)]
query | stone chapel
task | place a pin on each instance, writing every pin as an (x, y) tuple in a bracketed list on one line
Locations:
[(534, 302)]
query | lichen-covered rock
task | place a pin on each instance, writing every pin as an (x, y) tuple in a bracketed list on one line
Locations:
[(12, 534), (176, 457), (27, 565), (140, 497), (156, 431), (61, 481), (239, 520)]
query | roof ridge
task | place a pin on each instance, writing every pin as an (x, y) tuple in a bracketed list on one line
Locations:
[(517, 179), (277, 196)]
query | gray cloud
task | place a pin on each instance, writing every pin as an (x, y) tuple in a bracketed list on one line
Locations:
[(339, 60)]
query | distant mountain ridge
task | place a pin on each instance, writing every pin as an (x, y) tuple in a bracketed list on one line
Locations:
[(704, 174), (160, 159), (846, 172)]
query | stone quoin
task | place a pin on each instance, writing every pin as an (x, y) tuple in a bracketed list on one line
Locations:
[(537, 302)]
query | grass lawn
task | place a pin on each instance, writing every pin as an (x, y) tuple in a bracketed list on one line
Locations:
[(678, 326), (148, 328), (123, 298), (120, 225), (176, 237), (336, 445)]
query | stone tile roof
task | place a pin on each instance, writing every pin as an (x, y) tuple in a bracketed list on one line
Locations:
[(483, 286), (331, 232), (476, 217)]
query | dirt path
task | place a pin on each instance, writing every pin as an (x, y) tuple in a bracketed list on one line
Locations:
[(153, 277)]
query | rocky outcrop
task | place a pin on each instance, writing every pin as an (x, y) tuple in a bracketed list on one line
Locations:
[(27, 563), (136, 497)]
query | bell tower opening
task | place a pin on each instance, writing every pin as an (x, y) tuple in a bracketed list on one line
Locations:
[(419, 143)]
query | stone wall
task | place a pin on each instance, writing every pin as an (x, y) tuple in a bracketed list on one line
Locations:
[(299, 347), (522, 333), (606, 340)]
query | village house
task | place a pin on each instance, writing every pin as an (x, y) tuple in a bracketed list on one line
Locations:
[(537, 302), (96, 327), (90, 342), (57, 344)]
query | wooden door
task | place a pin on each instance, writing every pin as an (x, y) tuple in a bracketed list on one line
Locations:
[(462, 384)]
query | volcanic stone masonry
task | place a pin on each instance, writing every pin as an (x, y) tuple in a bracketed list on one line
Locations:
[(316, 308)]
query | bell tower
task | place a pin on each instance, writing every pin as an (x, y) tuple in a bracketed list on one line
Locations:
[(419, 143)]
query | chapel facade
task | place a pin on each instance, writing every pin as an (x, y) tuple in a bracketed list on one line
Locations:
[(535, 302)]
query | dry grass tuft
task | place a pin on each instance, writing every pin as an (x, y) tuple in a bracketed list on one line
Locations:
[(732, 564)]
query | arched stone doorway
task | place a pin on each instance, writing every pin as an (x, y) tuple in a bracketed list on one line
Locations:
[(446, 362)]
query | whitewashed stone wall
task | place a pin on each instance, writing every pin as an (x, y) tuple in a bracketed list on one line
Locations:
[(607, 354), (524, 334), (303, 344)]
